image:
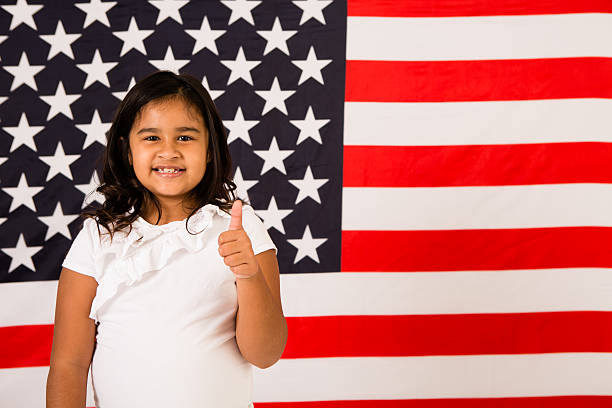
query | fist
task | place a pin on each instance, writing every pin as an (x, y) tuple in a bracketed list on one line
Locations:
[(235, 246)]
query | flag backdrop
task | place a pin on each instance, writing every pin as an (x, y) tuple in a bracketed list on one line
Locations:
[(436, 175)]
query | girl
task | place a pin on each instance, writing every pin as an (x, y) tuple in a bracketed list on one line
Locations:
[(171, 289)]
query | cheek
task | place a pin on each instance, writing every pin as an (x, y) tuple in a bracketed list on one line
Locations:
[(140, 163)]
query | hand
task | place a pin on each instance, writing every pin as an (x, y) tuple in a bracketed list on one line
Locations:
[(235, 246)]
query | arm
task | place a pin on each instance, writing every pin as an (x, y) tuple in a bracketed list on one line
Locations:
[(261, 328), (73, 341)]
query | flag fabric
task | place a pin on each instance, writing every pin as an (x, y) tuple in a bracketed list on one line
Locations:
[(435, 175)]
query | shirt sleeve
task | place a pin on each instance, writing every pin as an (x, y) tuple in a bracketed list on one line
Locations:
[(80, 256), (256, 230)]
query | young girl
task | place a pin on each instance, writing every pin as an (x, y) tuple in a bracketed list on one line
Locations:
[(171, 289)]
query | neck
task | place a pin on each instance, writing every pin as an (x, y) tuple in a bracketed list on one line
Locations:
[(170, 211)]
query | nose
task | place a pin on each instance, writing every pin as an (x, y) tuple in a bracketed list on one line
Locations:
[(168, 148)]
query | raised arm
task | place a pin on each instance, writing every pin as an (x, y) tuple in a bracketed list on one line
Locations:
[(261, 328)]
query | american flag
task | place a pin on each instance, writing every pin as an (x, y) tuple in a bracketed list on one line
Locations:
[(436, 176)]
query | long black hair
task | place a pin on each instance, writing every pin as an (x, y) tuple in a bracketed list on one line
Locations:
[(119, 185)]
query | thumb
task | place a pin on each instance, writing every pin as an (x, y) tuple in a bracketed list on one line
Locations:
[(236, 221)]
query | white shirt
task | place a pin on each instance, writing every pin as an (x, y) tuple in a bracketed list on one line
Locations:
[(166, 307)]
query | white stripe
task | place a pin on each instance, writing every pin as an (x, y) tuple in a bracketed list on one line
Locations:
[(472, 123), (479, 38), (26, 387), (401, 293), (410, 293), (454, 208), (480, 376), (27, 303)]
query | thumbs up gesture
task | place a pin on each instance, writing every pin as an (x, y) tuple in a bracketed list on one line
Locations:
[(235, 246)]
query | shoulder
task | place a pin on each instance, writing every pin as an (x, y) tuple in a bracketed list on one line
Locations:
[(97, 232)]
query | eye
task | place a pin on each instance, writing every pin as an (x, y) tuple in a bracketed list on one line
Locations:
[(189, 137), (148, 137)]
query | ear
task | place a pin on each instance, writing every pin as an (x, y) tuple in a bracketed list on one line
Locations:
[(130, 157)]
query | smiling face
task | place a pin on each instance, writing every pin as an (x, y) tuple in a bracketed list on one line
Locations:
[(169, 134)]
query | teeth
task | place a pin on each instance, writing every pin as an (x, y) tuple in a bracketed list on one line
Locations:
[(168, 170)]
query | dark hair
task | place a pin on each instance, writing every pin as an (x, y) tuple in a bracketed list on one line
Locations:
[(119, 185)]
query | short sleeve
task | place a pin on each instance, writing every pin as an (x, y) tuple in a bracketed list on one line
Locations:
[(80, 256), (256, 230)]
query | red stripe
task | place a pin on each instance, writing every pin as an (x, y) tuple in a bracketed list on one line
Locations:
[(461, 250), (380, 335), (25, 346), (488, 80), (491, 165), (449, 334), (573, 401), (445, 8)]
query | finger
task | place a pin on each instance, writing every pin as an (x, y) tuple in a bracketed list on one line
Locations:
[(235, 259), (236, 221), (230, 236), (229, 248)]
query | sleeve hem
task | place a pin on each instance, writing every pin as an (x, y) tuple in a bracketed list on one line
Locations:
[(77, 268), (265, 247)]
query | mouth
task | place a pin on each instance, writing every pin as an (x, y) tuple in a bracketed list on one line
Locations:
[(168, 170)]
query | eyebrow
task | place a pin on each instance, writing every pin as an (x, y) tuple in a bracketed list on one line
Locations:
[(180, 129)]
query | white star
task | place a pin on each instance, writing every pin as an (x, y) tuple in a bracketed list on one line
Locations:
[(169, 62), (169, 8), (275, 97), (121, 94), (57, 223), (23, 133), (307, 246), (22, 194), (205, 37), (273, 157), (60, 102), (242, 185), (311, 67), (239, 128), (95, 131), (60, 41), (90, 192), (309, 127), (22, 12), (96, 11), (308, 186), (97, 70), (21, 254), (213, 94), (273, 217), (59, 163), (312, 9), (241, 9), (133, 38), (276, 37), (24, 72), (240, 67)]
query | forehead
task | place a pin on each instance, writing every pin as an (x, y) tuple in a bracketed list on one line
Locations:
[(169, 109)]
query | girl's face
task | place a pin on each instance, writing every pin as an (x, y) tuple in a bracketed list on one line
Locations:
[(169, 134)]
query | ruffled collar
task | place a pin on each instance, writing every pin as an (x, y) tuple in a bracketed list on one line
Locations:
[(143, 232)]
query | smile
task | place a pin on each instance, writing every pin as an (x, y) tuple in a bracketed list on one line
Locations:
[(169, 172)]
